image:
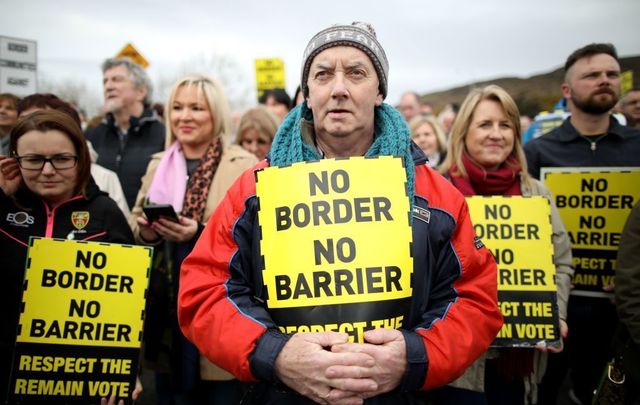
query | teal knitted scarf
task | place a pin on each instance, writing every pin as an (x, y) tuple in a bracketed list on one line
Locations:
[(392, 138)]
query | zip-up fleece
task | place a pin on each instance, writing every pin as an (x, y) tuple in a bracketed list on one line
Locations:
[(453, 316)]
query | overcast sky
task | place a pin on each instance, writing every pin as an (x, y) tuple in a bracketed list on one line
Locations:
[(431, 45)]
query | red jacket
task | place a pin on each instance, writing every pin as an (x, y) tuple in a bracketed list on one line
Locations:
[(454, 314)]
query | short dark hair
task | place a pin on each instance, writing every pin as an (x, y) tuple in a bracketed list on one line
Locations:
[(292, 105), (46, 101), (49, 120), (279, 95), (590, 50), (623, 99)]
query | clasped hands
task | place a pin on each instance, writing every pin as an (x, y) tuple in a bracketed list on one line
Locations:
[(328, 369)]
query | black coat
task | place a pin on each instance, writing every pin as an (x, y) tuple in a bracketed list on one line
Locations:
[(129, 159), (566, 147)]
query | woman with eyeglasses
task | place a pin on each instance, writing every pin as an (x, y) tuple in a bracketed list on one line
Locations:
[(43, 182)]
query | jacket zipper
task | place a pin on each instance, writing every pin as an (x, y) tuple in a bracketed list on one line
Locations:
[(48, 233), (594, 142)]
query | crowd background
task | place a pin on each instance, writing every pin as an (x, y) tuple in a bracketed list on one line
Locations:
[(132, 112)]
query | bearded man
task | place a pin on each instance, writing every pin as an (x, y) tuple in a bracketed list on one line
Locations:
[(590, 137)]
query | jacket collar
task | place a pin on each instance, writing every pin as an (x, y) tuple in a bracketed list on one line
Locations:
[(135, 123), (419, 158), (306, 129), (568, 132), (27, 198)]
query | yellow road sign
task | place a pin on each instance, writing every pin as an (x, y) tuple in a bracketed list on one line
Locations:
[(129, 51)]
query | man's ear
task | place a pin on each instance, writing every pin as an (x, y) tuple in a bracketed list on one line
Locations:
[(141, 93), (566, 90), (379, 100)]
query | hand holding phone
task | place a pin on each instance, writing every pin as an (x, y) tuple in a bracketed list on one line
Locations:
[(157, 211)]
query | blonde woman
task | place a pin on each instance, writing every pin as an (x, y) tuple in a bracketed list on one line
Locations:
[(428, 134), (192, 175), (256, 130), (486, 158)]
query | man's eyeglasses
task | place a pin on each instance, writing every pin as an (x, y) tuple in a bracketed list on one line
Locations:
[(36, 162)]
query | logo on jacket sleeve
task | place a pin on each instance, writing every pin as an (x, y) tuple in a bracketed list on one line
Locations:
[(19, 218), (422, 214), (80, 219), (478, 242)]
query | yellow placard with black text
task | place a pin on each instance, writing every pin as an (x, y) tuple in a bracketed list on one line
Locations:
[(594, 204), (270, 74), (80, 328), (517, 230), (626, 81), (336, 243)]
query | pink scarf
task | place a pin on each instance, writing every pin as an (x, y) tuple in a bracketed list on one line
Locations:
[(170, 180)]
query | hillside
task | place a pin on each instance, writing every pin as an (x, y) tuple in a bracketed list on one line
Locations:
[(533, 94)]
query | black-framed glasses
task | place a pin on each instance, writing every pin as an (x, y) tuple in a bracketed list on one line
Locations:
[(36, 162)]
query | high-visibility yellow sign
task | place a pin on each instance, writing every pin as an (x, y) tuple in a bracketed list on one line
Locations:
[(269, 74), (81, 325), (336, 243), (594, 204), (517, 231), (626, 81), (129, 51)]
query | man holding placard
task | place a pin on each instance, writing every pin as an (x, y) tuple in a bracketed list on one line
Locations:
[(588, 165), (342, 267)]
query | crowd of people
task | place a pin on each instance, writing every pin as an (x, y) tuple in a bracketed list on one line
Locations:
[(210, 335)]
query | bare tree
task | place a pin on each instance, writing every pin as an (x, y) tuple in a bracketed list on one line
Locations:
[(225, 68), (71, 90)]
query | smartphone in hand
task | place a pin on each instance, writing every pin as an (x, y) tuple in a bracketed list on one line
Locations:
[(157, 211)]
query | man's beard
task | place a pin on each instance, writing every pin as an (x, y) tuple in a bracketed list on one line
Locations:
[(591, 104), (113, 106)]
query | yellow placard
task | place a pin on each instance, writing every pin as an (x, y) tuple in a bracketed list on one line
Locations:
[(594, 204), (84, 293), (269, 74), (335, 232), (517, 230), (129, 51), (626, 81)]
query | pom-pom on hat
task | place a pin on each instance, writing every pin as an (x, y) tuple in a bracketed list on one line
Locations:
[(359, 35)]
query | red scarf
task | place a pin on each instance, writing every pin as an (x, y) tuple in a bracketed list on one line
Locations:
[(503, 181), (514, 363)]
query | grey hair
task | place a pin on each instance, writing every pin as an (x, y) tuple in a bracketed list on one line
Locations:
[(138, 75)]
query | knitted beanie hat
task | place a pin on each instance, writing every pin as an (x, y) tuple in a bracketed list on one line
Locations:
[(359, 35)]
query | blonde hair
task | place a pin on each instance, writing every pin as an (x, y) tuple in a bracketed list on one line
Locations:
[(417, 121), (463, 121), (261, 120), (213, 93)]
